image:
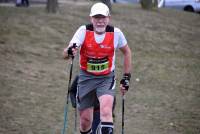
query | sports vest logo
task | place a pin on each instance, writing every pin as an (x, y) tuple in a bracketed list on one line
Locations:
[(104, 46)]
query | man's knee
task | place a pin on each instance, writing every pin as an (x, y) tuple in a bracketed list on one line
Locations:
[(86, 119), (85, 123)]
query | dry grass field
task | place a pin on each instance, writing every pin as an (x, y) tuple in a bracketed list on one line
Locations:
[(34, 77)]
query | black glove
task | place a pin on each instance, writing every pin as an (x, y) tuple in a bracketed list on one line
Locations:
[(126, 80), (69, 51)]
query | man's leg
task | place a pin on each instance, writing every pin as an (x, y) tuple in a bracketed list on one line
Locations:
[(86, 117), (106, 104)]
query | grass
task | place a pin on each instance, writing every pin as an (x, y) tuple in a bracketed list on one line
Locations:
[(166, 53)]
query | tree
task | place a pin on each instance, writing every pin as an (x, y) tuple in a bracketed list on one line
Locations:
[(149, 4), (52, 6), (108, 3)]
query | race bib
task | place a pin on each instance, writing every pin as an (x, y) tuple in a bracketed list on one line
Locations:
[(97, 65)]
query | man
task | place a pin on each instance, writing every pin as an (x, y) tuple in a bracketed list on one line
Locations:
[(22, 3), (97, 42), (25, 3)]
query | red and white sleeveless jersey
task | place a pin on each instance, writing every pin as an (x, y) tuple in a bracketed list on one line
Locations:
[(97, 52), (97, 58)]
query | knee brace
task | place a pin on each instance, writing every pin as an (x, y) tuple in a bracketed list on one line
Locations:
[(106, 128), (87, 132)]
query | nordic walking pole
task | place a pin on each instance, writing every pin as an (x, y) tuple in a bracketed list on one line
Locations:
[(123, 100), (67, 99), (125, 83)]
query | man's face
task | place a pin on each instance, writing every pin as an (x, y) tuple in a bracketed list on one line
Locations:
[(99, 23)]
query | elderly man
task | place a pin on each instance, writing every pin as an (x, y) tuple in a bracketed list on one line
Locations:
[(97, 43)]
